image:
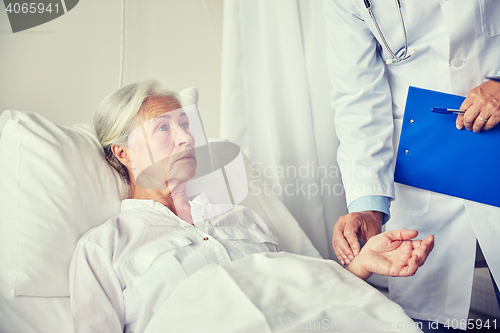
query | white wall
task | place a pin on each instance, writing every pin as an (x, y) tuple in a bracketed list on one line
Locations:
[(64, 68)]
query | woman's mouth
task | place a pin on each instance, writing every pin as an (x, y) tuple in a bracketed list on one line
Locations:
[(185, 157)]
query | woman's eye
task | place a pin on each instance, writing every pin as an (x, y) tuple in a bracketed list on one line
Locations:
[(185, 125), (162, 128)]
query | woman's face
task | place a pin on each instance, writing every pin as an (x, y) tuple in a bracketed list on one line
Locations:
[(164, 136)]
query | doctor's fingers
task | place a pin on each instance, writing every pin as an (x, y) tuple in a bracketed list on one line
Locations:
[(337, 239), (460, 121), (480, 122), (341, 249), (484, 100), (470, 116), (487, 119), (488, 112), (340, 245), (466, 104), (491, 113), (492, 121), (338, 249), (351, 233)]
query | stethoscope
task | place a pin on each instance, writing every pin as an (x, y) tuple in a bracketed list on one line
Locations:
[(405, 54)]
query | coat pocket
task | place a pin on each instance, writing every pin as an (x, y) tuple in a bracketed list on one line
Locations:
[(410, 200), (490, 17)]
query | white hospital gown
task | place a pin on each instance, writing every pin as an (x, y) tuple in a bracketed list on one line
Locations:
[(123, 270)]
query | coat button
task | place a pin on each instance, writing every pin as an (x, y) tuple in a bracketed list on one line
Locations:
[(457, 62), (205, 239)]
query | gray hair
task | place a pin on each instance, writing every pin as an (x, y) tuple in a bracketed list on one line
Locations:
[(118, 115)]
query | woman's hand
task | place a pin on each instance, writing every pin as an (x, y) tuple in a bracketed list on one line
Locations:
[(392, 253), (482, 106)]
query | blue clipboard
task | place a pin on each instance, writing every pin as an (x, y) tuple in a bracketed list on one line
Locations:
[(435, 156)]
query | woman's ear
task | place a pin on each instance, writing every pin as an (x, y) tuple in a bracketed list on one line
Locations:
[(121, 154)]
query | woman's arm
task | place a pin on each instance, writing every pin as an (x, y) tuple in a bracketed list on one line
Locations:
[(96, 293), (392, 253)]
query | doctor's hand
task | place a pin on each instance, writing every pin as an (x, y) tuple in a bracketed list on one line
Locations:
[(482, 106), (392, 253), (349, 228)]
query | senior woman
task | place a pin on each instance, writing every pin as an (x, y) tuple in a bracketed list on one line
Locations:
[(123, 270)]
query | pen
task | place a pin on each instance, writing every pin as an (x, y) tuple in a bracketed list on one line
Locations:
[(494, 78), (447, 111)]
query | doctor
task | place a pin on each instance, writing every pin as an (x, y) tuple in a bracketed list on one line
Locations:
[(451, 47)]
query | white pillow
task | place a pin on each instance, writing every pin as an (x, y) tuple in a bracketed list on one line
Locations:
[(55, 185)]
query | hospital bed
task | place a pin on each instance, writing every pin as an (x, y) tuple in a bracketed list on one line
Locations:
[(31, 274), (55, 185)]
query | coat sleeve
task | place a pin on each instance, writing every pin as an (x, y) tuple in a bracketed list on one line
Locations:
[(95, 291), (362, 102)]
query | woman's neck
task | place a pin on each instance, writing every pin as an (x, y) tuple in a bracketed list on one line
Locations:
[(174, 198)]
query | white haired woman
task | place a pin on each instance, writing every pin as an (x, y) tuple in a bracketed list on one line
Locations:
[(124, 269)]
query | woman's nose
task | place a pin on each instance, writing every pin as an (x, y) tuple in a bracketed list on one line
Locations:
[(181, 137)]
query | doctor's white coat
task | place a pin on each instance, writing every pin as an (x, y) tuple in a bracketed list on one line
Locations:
[(457, 44)]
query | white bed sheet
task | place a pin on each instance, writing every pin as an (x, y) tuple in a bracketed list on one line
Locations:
[(278, 292)]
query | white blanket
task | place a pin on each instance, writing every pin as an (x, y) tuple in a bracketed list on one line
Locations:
[(278, 292)]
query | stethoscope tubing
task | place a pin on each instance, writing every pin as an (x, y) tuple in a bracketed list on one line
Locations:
[(405, 54)]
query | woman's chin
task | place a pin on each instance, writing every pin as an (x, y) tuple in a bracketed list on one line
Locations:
[(185, 168), (181, 176)]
